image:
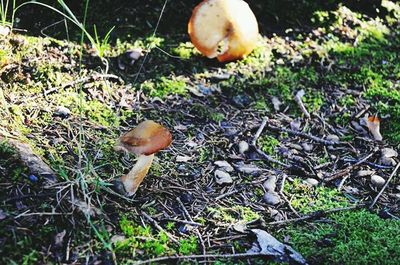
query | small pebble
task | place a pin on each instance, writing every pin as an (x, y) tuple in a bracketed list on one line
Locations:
[(186, 197), (333, 138), (243, 147), (307, 147), (271, 198), (389, 152), (222, 177), (224, 165), (311, 181), (387, 161), (270, 183), (365, 173), (276, 103), (62, 111), (295, 125), (296, 147), (377, 181)]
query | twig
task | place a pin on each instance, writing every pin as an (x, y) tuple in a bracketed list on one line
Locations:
[(154, 222), (259, 151), (196, 229), (316, 214), (285, 198), (229, 193), (82, 80), (259, 131), (384, 187), (347, 170), (300, 103), (183, 221), (305, 135), (216, 256)]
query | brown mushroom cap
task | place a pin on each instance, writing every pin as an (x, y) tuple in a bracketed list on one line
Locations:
[(147, 138)]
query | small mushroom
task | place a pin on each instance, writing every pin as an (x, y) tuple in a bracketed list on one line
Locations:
[(145, 140), (373, 124)]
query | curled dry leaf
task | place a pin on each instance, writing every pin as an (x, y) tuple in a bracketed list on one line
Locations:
[(373, 124), (269, 245)]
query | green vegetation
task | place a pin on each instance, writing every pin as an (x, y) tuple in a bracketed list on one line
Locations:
[(342, 59), (144, 242), (232, 215), (354, 237), (268, 144), (307, 199)]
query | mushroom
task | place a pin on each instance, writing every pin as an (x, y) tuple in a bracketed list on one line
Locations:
[(226, 29), (145, 140)]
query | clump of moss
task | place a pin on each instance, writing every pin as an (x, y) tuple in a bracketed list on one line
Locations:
[(164, 87), (142, 241), (228, 216), (356, 237), (268, 144), (308, 199)]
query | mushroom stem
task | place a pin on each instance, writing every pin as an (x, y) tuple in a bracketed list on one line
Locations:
[(133, 179)]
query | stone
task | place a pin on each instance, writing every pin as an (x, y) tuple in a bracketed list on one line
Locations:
[(377, 181), (365, 173), (307, 147), (271, 198), (224, 165), (222, 177), (270, 183), (311, 181), (243, 147), (389, 152)]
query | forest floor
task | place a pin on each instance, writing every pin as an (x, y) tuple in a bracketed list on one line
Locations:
[(321, 167)]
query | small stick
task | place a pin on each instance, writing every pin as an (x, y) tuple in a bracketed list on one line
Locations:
[(82, 80), (300, 103), (259, 131), (229, 193), (213, 256), (316, 214), (183, 221), (305, 135), (347, 170), (154, 222), (384, 187), (196, 230), (285, 198), (259, 151)]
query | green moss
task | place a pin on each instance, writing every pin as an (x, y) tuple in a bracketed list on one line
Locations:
[(232, 215), (306, 199), (14, 170), (164, 87), (142, 241), (354, 237), (268, 144)]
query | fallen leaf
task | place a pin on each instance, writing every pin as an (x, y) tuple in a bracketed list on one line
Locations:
[(269, 245)]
